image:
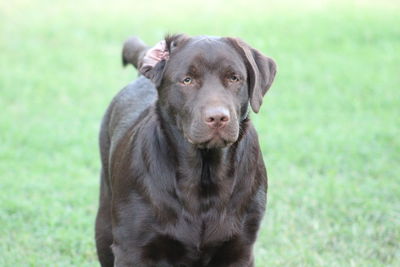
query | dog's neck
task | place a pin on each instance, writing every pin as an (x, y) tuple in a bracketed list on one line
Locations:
[(184, 153), (204, 179)]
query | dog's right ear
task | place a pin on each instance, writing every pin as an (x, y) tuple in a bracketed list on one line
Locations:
[(154, 61)]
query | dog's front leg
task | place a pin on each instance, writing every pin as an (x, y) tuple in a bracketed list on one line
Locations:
[(127, 233)]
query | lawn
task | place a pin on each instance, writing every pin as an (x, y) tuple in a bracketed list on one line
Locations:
[(329, 127)]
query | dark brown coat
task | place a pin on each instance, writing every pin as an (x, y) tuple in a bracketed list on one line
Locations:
[(183, 181)]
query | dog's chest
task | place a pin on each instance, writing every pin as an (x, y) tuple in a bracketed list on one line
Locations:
[(194, 237), (206, 229), (192, 241), (206, 216)]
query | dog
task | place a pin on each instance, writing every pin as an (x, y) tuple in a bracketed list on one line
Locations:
[(183, 182)]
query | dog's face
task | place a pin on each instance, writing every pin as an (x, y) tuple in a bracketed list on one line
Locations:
[(205, 85)]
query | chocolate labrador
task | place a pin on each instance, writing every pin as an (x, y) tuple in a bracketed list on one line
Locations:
[(183, 181)]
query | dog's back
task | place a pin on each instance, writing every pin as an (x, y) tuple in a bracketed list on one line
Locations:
[(130, 102), (123, 111)]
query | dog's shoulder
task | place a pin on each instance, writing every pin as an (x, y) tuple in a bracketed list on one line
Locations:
[(130, 102)]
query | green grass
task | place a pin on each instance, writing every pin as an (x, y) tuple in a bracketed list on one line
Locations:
[(329, 127)]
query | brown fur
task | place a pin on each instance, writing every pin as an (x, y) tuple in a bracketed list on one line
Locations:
[(175, 191)]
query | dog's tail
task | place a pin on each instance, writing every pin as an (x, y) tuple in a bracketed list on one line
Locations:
[(133, 51)]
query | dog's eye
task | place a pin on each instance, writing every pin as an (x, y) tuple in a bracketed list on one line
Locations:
[(234, 78), (187, 81)]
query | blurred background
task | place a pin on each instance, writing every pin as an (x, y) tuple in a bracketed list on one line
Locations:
[(329, 126)]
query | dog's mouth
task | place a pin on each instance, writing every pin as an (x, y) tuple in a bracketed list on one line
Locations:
[(202, 136), (215, 141)]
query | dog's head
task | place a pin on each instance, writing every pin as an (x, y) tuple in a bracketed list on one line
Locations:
[(205, 85)]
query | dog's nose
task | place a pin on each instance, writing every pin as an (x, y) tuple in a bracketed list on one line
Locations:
[(216, 117)]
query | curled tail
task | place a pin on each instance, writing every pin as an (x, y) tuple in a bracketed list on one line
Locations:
[(133, 52)]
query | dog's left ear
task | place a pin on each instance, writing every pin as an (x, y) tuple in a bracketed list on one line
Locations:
[(155, 59), (153, 62), (261, 71)]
